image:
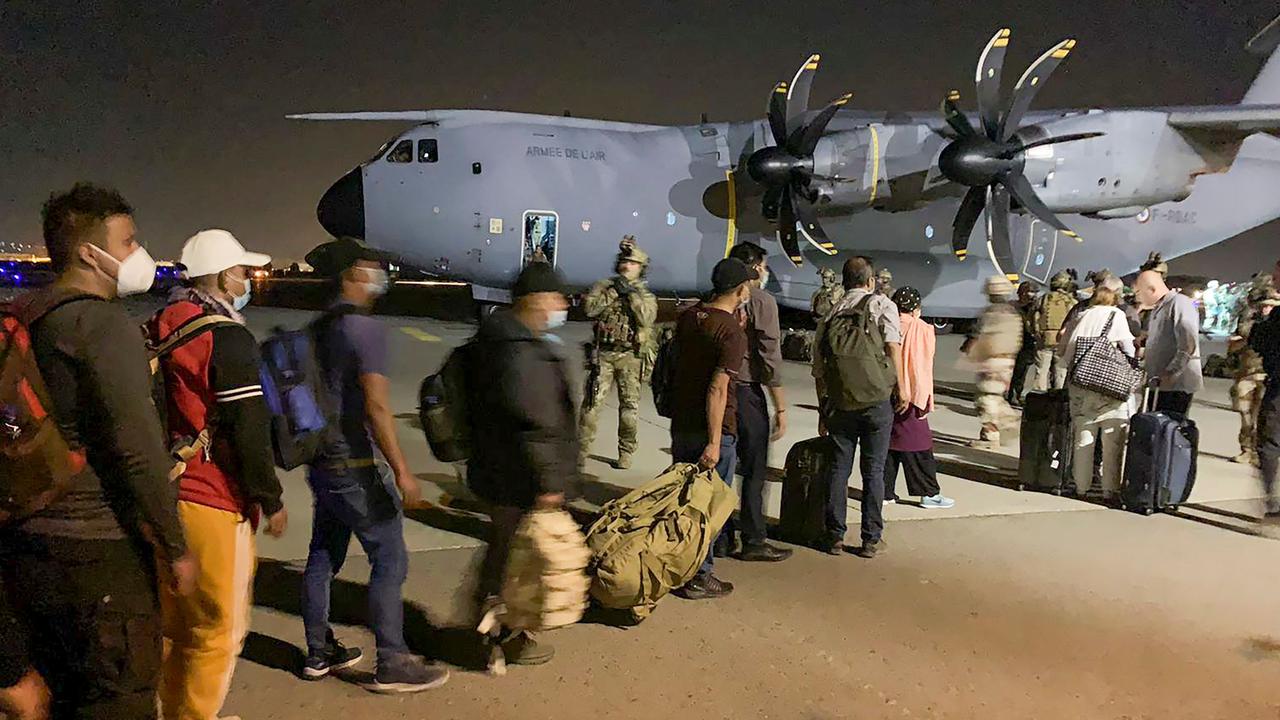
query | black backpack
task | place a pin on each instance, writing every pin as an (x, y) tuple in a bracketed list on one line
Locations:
[(662, 382), (443, 407)]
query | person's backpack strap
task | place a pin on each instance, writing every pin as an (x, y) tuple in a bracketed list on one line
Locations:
[(185, 333), (33, 307)]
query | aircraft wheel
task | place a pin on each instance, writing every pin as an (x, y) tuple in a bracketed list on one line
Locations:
[(941, 326)]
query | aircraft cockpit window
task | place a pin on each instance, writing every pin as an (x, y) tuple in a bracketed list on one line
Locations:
[(402, 152), (427, 151)]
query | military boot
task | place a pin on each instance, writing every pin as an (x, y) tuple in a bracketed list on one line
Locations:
[(1246, 457), (624, 461), (988, 441)]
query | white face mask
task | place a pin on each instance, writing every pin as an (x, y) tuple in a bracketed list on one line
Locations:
[(557, 318), (378, 283), (764, 277), (135, 274)]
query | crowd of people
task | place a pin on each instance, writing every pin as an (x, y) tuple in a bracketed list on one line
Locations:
[(129, 595)]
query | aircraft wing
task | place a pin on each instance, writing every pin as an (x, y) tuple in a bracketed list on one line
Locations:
[(1230, 120), (378, 115)]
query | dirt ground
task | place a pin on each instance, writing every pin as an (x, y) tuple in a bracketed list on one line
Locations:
[(1094, 614)]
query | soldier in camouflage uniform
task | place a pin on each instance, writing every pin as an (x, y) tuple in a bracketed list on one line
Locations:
[(625, 312), (1250, 376), (828, 295), (994, 349), (884, 282)]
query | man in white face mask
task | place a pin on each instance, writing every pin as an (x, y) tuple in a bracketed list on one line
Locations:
[(218, 420), (761, 375), (104, 536)]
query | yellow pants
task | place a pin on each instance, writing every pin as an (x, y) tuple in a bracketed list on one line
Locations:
[(204, 632)]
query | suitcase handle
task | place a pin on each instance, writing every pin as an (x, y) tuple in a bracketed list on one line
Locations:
[(1150, 395)]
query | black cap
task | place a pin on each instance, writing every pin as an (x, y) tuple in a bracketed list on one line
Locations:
[(333, 258), (538, 277), (729, 273)]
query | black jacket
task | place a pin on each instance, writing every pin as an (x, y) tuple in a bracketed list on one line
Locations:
[(524, 439)]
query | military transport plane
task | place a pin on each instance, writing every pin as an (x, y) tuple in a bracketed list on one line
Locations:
[(477, 194)]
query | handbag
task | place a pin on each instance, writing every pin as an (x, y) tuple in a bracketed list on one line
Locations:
[(1098, 365)]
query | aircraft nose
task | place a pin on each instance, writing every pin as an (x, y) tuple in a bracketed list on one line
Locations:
[(341, 209)]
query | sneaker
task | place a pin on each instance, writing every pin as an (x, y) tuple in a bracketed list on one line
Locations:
[(334, 657), (407, 674), (623, 462), (704, 587), (763, 552), (937, 502), (890, 501), (522, 649), (869, 550)]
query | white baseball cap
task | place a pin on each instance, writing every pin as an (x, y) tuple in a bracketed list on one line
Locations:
[(211, 251)]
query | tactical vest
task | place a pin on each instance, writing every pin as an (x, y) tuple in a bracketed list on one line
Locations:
[(616, 327)]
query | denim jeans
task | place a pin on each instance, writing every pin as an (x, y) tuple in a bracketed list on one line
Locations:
[(361, 502), (870, 428), (687, 448)]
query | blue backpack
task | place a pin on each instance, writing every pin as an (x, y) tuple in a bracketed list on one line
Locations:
[(292, 384)]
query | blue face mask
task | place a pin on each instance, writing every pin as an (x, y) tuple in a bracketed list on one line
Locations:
[(557, 318), (240, 302)]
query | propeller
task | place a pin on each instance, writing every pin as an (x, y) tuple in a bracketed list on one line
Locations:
[(990, 160), (785, 168)]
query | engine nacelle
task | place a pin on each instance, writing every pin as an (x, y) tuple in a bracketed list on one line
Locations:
[(1140, 161), (848, 169)]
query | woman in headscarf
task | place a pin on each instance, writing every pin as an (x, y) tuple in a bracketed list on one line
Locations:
[(911, 441)]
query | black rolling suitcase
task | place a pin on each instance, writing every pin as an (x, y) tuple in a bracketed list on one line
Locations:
[(1045, 453), (804, 491), (1160, 461)]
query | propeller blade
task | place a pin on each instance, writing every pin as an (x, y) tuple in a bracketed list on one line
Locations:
[(987, 78), (998, 247), (787, 236), (966, 218), (813, 131), (1021, 189), (778, 114), (1030, 83), (772, 201), (1055, 141), (798, 95), (811, 229), (956, 119)]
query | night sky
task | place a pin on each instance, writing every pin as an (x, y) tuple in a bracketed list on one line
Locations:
[(181, 105)]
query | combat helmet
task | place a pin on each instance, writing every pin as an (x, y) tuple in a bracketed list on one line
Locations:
[(999, 286), (629, 251), (1061, 281)]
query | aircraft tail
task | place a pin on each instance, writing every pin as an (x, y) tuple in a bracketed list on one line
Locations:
[(1265, 89)]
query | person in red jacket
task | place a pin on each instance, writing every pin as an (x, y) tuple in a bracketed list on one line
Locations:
[(218, 421)]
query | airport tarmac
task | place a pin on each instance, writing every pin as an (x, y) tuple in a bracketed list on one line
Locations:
[(1011, 605)]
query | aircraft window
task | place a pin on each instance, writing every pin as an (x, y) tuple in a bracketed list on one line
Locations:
[(402, 152), (475, 168), (427, 151)]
